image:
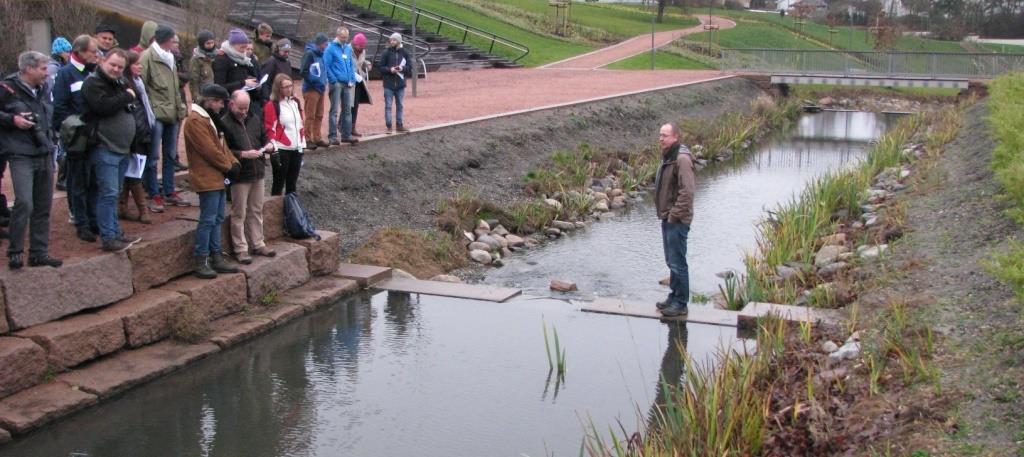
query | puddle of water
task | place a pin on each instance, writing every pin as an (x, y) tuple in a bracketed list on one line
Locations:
[(624, 257), (394, 375)]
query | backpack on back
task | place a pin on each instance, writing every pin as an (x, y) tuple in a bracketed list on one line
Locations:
[(297, 223)]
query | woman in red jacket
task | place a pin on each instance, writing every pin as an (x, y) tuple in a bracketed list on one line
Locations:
[(283, 120)]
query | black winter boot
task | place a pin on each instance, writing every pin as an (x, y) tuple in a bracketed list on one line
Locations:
[(202, 268)]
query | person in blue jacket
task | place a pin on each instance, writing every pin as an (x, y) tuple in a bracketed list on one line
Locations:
[(341, 75), (314, 84)]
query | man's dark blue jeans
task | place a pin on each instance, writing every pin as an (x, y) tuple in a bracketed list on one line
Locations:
[(673, 238), (211, 216)]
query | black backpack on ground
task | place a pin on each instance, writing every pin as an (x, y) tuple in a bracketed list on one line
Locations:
[(297, 223)]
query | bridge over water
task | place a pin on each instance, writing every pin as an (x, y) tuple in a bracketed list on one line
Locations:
[(871, 68)]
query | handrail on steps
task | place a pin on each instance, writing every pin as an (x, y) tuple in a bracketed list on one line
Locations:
[(352, 23), (466, 29)]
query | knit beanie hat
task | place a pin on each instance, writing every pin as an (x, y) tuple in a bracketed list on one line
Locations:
[(320, 39), (60, 45), (203, 36), (397, 37), (359, 40), (163, 34), (237, 36)]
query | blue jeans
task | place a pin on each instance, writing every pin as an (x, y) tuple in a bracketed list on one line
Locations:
[(341, 97), (109, 168), (211, 215), (673, 238), (399, 96), (165, 137)]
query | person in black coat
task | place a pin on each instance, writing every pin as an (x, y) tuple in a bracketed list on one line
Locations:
[(395, 67), (234, 70), (278, 63)]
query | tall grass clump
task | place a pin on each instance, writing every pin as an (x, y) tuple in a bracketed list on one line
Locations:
[(1006, 100), (719, 409)]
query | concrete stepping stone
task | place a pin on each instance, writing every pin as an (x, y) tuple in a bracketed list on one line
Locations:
[(32, 408), (447, 289), (365, 275), (697, 314), (755, 310), (127, 369)]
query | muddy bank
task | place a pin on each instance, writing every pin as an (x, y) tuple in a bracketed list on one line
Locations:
[(398, 181)]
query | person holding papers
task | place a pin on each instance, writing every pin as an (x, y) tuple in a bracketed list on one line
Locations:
[(234, 70), (395, 67)]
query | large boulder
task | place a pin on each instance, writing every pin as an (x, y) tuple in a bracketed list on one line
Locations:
[(514, 240), (480, 256), (38, 295), (490, 241)]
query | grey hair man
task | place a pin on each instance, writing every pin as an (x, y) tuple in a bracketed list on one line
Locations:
[(675, 185), (26, 138)]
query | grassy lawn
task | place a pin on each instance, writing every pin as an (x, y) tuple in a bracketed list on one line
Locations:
[(622, 22), (543, 49), (1005, 48), (749, 34), (662, 61)]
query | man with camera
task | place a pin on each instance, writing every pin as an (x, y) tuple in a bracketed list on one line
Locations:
[(109, 104), (26, 140)]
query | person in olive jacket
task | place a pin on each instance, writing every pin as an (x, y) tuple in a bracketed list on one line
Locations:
[(209, 163), (25, 138), (673, 198), (247, 140), (200, 66), (160, 75)]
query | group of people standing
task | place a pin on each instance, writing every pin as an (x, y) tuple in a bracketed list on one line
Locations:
[(107, 117)]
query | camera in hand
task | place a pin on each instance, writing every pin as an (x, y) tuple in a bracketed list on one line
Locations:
[(31, 117)]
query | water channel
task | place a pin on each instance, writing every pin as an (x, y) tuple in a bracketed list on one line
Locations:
[(398, 375)]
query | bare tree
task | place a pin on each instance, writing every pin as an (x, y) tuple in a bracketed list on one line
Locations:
[(15, 15), (209, 15), (70, 18)]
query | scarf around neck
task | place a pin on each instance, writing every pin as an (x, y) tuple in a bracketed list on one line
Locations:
[(234, 55), (202, 52)]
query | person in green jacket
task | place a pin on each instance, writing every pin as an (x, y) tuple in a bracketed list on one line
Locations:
[(200, 66), (159, 73)]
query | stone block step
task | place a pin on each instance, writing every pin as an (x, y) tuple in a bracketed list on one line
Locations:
[(31, 408), (365, 275), (73, 340), (164, 253), (22, 364), (236, 328), (37, 295), (319, 292), (753, 311), (447, 289), (323, 255), (270, 275), (148, 316), (224, 295), (127, 369), (697, 314)]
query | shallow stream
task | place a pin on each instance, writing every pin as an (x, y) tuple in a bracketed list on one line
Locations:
[(398, 375)]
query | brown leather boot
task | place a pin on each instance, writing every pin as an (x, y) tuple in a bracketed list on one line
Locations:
[(139, 195), (122, 204)]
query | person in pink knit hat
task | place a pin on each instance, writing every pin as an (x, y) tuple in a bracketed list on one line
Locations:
[(362, 96)]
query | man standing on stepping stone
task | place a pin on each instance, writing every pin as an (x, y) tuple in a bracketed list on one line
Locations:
[(675, 186)]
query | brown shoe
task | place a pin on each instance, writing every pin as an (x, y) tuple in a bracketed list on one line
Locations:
[(350, 140), (243, 258), (357, 134), (264, 251), (322, 143)]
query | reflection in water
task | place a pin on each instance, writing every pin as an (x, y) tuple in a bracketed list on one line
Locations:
[(671, 374), (393, 375), (624, 257)]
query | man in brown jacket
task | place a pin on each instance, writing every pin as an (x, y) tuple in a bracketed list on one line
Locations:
[(674, 186), (210, 162)]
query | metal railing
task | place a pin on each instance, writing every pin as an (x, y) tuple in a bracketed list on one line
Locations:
[(490, 39), (315, 19), (907, 64)]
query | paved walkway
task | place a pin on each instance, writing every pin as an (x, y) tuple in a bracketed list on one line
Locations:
[(633, 46)]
